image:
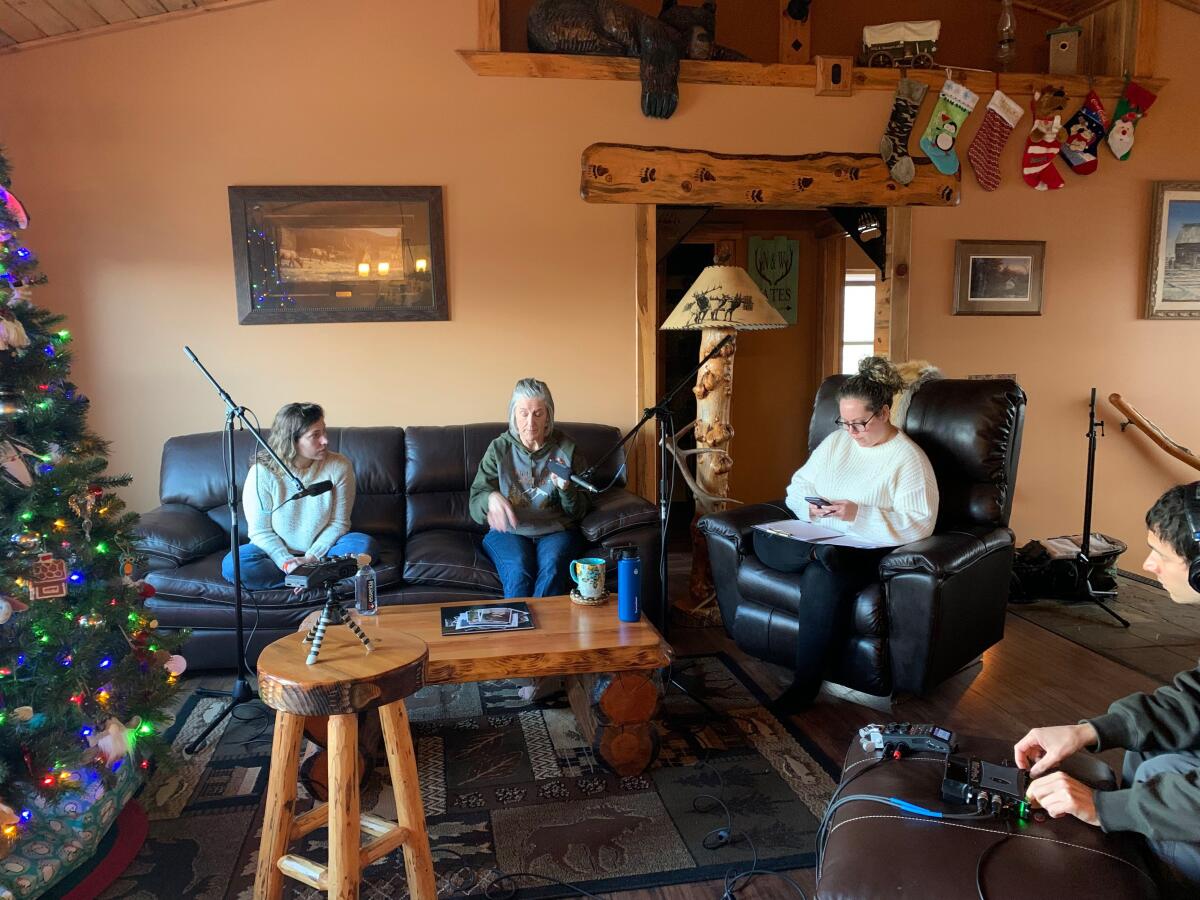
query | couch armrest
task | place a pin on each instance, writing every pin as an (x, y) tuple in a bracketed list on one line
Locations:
[(736, 524), (616, 511), (176, 533), (945, 554)]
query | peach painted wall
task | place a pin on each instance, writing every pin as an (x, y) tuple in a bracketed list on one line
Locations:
[(124, 145)]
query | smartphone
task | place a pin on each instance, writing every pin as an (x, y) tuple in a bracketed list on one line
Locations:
[(818, 501)]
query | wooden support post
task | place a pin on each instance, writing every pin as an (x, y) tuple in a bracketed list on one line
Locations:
[(614, 713), (793, 37), (410, 812), (899, 249), (489, 25), (643, 466), (344, 841), (1145, 39)]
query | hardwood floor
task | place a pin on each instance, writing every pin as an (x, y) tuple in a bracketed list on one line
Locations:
[(1033, 677)]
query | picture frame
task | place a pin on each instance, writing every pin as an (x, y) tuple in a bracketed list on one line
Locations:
[(998, 278), (1173, 267), (308, 254)]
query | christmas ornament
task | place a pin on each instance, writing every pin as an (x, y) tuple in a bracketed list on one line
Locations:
[(8, 816), (114, 741), (13, 466), (176, 665), (13, 207), (20, 294), (1084, 131), (83, 504), (27, 540), (48, 578), (11, 404), (128, 563), (23, 713), (954, 104), (12, 332), (894, 145), (8, 606), (1135, 102), (1044, 141), (1001, 116)]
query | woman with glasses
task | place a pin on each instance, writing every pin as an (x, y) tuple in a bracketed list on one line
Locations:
[(868, 479), (285, 533)]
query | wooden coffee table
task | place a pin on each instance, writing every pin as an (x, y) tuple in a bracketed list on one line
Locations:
[(612, 668)]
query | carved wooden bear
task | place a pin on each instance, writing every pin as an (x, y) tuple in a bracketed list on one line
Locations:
[(608, 28)]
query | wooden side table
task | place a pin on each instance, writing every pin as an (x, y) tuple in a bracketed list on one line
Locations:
[(344, 682)]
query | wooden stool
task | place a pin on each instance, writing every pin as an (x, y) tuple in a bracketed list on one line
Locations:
[(344, 682)]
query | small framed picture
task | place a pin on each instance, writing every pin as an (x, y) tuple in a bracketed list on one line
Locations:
[(1173, 272), (998, 278)]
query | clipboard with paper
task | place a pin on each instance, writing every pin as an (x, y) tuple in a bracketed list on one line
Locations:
[(799, 530)]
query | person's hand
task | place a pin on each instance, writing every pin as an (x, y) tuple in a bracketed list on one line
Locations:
[(289, 564), (1059, 794), (500, 515), (846, 510), (1044, 748), (561, 483)]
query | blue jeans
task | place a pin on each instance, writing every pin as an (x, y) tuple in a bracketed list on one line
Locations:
[(1178, 861), (259, 572), (532, 566)]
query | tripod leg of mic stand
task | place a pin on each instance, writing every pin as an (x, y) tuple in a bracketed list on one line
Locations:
[(240, 694), (1097, 598), (325, 620)]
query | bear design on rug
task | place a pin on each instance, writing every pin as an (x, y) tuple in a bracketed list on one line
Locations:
[(608, 28)]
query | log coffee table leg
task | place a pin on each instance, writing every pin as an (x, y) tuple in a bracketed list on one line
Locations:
[(410, 811), (615, 713), (281, 803), (345, 840)]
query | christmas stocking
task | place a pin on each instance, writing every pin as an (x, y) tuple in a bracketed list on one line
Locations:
[(1134, 103), (1043, 144), (1002, 115), (894, 145), (953, 106), (1085, 131)]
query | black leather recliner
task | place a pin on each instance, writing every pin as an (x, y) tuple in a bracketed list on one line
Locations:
[(939, 602), (412, 490)]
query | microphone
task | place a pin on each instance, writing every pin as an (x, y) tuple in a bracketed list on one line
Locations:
[(564, 472), (318, 487)]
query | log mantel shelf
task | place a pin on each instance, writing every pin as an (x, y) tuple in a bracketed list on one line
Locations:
[(616, 68)]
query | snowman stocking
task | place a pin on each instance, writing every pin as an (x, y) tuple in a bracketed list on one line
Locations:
[(1085, 131), (1134, 104), (953, 106)]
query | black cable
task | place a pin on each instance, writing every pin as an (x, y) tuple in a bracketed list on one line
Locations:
[(512, 892), (983, 855)]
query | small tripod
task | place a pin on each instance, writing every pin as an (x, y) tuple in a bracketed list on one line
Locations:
[(332, 614)]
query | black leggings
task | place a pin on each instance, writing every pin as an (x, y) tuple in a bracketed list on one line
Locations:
[(830, 579)]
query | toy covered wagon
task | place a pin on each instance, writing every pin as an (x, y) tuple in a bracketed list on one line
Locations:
[(909, 44)]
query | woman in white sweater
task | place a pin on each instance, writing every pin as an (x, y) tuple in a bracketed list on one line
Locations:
[(285, 533), (867, 479)]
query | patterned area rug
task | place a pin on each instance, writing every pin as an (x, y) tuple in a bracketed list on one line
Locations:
[(511, 787)]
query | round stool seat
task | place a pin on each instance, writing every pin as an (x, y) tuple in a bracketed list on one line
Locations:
[(346, 678)]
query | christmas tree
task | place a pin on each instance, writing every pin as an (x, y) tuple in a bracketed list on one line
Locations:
[(84, 677)]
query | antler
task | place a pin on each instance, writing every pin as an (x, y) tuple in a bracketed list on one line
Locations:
[(678, 455)]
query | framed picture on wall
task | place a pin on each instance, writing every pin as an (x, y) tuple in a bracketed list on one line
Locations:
[(338, 254), (998, 278), (1173, 271)]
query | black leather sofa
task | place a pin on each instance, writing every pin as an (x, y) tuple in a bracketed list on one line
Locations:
[(939, 602), (412, 488)]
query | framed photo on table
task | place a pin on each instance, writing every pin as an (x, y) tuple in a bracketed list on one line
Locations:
[(998, 278), (1173, 270), (338, 254)]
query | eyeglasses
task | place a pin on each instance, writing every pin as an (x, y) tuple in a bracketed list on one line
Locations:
[(854, 427)]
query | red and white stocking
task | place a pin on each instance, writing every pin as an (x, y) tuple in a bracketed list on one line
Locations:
[(984, 154), (1041, 148)]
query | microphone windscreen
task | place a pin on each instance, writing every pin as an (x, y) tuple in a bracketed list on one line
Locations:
[(322, 487)]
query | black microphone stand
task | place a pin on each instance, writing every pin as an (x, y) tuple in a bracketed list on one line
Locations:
[(1083, 560), (661, 411), (241, 691)]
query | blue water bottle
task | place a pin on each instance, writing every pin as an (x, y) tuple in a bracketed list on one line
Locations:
[(629, 585)]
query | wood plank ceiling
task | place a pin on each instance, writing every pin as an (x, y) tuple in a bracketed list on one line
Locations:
[(1074, 10), (31, 23)]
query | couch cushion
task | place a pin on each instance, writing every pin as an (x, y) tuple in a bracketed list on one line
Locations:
[(449, 557), (202, 580), (193, 473)]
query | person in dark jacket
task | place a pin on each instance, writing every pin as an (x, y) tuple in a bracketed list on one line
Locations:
[(1160, 793), (531, 513)]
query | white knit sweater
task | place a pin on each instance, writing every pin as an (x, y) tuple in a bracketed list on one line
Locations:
[(892, 483), (305, 527)]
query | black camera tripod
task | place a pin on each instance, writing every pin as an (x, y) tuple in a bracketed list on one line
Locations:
[(332, 614)]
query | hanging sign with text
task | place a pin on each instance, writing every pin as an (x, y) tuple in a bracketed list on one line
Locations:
[(773, 265)]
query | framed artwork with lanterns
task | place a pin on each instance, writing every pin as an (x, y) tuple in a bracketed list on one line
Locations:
[(338, 254)]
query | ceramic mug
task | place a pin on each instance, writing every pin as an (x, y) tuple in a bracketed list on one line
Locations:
[(588, 574)]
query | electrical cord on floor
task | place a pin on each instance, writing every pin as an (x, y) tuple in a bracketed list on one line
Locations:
[(984, 854)]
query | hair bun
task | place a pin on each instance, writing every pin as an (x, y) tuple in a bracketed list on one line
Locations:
[(879, 370)]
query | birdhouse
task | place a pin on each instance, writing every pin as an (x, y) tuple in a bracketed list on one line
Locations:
[(1064, 49), (48, 578)]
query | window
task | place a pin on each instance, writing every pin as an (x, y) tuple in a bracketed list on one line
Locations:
[(858, 319)]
